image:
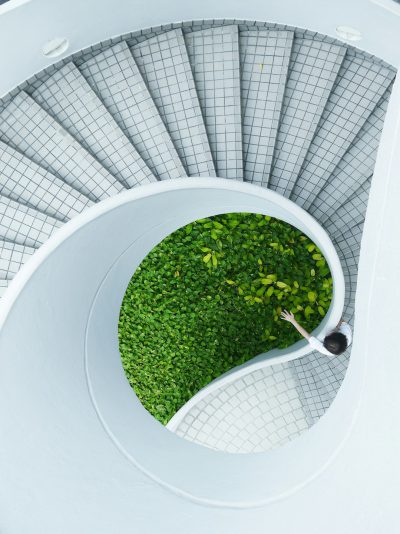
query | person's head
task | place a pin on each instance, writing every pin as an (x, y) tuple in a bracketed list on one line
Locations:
[(336, 343)]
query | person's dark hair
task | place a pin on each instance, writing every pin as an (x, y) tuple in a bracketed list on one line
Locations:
[(335, 343)]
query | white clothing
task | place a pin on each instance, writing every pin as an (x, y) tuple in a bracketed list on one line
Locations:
[(318, 345)]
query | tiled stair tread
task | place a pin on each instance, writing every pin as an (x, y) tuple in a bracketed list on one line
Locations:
[(115, 78), (164, 65), (27, 183), (313, 69), (214, 59), (29, 128), (68, 98), (12, 257), (264, 60), (351, 213), (257, 412), (349, 242), (350, 271), (317, 384), (358, 88), (356, 166), (24, 225)]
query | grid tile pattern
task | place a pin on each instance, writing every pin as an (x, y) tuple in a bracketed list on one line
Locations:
[(27, 183), (68, 98), (350, 270), (164, 65), (348, 246), (312, 72), (116, 79), (23, 225), (358, 88), (214, 58), (27, 127), (318, 381), (264, 59), (349, 243), (12, 257), (354, 168), (351, 213), (257, 412)]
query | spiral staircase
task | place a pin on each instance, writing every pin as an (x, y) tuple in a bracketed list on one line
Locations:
[(279, 107)]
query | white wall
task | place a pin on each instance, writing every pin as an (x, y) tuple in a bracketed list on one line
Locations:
[(24, 30)]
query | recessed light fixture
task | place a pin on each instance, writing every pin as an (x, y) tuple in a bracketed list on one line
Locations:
[(348, 34), (55, 47)]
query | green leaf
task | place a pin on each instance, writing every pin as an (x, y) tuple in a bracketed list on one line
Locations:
[(230, 282), (207, 258), (281, 284), (312, 296), (266, 281)]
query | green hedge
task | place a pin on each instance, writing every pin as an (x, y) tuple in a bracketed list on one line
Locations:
[(208, 298)]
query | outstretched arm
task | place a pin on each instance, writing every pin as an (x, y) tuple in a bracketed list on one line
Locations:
[(289, 317)]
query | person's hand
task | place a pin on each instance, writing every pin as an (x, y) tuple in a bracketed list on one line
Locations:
[(287, 316)]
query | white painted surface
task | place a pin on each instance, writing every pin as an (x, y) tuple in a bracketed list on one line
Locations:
[(75, 362), (62, 473), (24, 31)]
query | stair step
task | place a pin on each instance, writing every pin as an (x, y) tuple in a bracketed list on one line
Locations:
[(256, 412), (313, 68), (164, 64), (350, 273), (115, 78), (24, 225), (359, 87), (214, 59), (12, 257), (354, 168), (264, 59), (349, 243), (351, 213), (29, 128), (68, 98), (27, 183), (314, 386)]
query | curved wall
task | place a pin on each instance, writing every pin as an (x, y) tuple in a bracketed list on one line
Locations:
[(26, 29), (76, 283)]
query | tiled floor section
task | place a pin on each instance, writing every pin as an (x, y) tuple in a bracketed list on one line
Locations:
[(27, 127), (312, 72), (25, 182), (23, 225), (264, 61), (255, 413), (12, 257), (115, 78), (214, 57), (358, 88), (164, 65), (356, 166), (68, 98)]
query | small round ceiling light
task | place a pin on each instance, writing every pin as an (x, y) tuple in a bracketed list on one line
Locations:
[(348, 34), (56, 47)]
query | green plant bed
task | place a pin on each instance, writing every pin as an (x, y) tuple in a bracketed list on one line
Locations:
[(208, 298)]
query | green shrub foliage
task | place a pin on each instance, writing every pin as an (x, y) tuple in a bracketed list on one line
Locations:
[(208, 298)]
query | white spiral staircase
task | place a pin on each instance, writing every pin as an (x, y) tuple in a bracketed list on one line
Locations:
[(282, 108)]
